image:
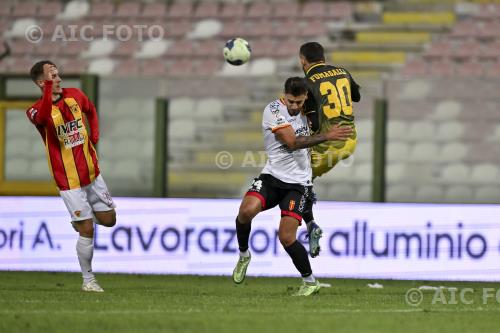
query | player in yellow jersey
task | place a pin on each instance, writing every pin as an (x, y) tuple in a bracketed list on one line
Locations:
[(332, 90)]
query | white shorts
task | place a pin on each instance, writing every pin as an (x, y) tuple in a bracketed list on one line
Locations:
[(81, 202)]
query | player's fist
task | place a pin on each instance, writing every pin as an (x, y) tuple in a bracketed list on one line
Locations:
[(339, 133), (49, 72)]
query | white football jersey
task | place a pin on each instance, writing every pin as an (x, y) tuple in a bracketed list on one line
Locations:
[(293, 167)]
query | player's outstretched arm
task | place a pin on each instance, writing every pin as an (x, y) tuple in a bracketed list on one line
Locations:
[(287, 136)]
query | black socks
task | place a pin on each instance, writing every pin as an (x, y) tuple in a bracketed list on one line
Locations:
[(300, 259), (243, 233)]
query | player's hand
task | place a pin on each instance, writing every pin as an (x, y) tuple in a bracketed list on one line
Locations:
[(48, 72), (338, 133)]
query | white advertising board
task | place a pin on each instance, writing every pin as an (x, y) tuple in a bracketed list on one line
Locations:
[(197, 236)]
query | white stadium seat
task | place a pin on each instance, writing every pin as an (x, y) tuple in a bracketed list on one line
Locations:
[(103, 66), (455, 173), (485, 173), (429, 193)]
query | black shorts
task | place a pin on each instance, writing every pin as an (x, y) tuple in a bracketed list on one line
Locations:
[(271, 192)]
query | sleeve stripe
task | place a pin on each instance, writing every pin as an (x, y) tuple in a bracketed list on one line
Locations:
[(274, 129)]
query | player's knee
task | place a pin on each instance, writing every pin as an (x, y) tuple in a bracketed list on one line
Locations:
[(107, 219), (286, 238), (86, 228), (247, 213)]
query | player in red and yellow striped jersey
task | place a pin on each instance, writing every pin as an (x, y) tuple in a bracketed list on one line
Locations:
[(72, 159)]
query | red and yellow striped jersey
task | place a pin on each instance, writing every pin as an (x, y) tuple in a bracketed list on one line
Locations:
[(70, 153)]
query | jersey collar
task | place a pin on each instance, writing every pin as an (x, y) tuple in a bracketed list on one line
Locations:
[(314, 66)]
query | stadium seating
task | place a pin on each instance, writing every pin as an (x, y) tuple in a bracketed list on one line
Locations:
[(442, 135)]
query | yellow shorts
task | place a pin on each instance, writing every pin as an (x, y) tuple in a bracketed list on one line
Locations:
[(324, 158)]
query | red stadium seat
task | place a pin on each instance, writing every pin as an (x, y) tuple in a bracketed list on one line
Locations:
[(178, 29), (288, 28), (438, 49), (127, 68), (21, 47), (209, 48), (441, 69), (208, 67), (465, 29), (259, 10), (181, 48), (469, 69), (74, 49), (315, 9), (154, 10), (128, 10), (260, 29), (101, 10), (47, 49), (339, 10), (154, 67), (180, 10), (126, 49), (48, 10), (491, 51), (24, 9), (207, 10), (288, 10), (181, 68), (314, 28), (233, 28), (5, 10), (490, 30), (466, 50), (288, 48), (416, 67), (233, 11), (74, 66), (263, 47)]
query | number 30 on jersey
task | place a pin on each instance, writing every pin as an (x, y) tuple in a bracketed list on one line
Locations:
[(339, 98)]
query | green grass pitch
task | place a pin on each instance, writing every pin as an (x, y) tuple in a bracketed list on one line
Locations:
[(53, 302)]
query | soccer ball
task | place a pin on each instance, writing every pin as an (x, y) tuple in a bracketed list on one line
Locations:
[(237, 51)]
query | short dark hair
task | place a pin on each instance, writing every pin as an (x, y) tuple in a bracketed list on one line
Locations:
[(313, 52), (37, 69), (296, 86)]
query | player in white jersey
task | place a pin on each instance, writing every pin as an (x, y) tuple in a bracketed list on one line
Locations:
[(285, 180)]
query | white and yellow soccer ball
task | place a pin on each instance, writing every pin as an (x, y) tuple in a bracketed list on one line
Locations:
[(237, 51)]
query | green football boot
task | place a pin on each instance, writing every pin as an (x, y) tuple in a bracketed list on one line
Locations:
[(240, 270), (308, 289)]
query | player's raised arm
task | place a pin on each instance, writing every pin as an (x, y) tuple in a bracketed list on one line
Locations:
[(44, 77), (287, 136)]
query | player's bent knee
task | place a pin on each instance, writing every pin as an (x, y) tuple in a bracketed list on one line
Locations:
[(287, 239), (248, 210), (107, 219), (247, 213)]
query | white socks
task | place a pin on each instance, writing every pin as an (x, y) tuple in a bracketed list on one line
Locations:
[(85, 252), (245, 254), (310, 279)]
